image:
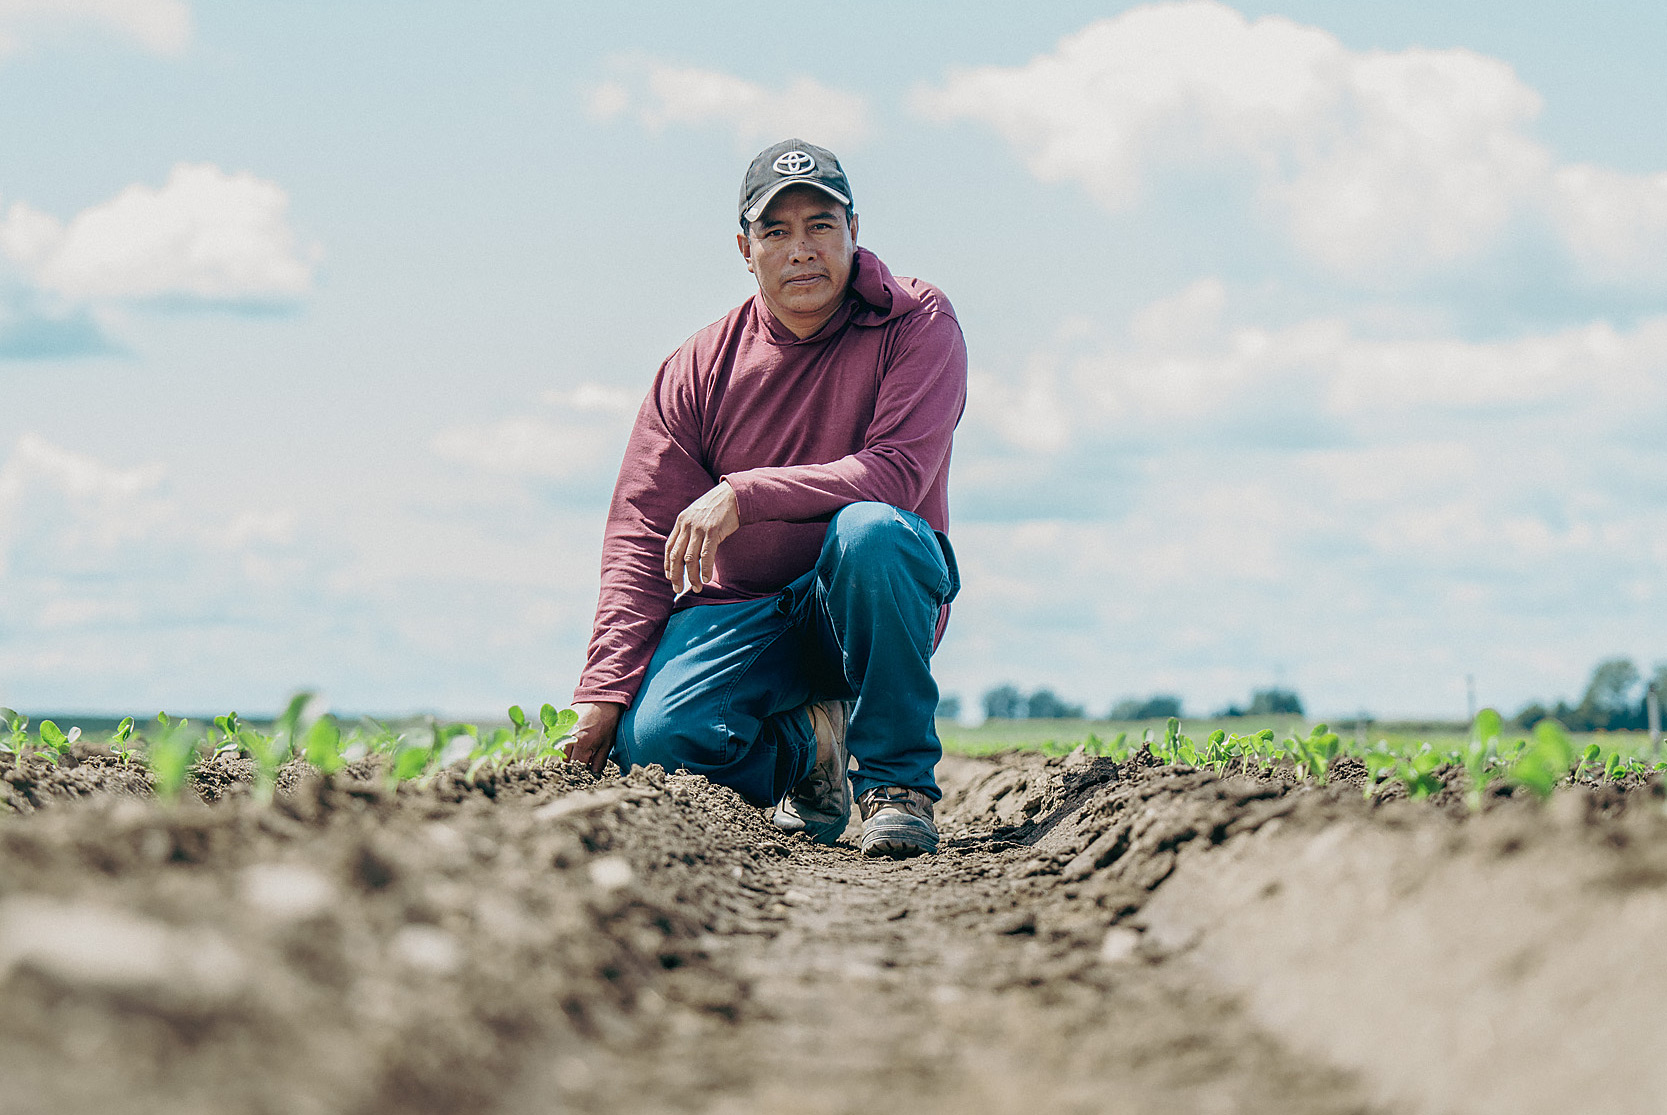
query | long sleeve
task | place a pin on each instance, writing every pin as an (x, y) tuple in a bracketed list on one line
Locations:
[(921, 394), (661, 475)]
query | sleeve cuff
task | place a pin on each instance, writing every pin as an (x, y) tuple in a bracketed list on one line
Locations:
[(598, 696), (746, 509)]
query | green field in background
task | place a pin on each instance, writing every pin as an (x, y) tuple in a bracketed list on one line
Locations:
[(1060, 736)]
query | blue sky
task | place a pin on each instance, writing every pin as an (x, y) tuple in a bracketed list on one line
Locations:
[(1315, 343)]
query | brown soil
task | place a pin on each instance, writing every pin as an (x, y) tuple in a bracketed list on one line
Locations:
[(1093, 937)]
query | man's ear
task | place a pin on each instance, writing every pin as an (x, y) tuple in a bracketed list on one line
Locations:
[(745, 244), (853, 228)]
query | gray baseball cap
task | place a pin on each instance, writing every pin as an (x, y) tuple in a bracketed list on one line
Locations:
[(792, 162)]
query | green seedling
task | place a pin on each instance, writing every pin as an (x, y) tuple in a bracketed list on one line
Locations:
[(170, 756), (1258, 747), (496, 749), (269, 754), (57, 739), (286, 729), (1588, 758), (17, 732), (558, 729), (410, 760), (1175, 747), (1218, 752), (1314, 755), (1417, 772), (121, 741), (1380, 764), (1480, 752), (1545, 761), (322, 745)]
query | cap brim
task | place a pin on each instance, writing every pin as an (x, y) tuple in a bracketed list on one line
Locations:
[(763, 202)]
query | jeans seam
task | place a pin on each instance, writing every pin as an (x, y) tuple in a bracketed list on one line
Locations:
[(729, 691)]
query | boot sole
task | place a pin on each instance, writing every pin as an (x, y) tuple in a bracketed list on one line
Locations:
[(899, 839)]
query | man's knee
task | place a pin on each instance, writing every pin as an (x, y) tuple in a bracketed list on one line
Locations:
[(675, 738), (871, 530)]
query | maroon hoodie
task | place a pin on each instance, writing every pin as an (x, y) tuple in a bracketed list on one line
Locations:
[(863, 409)]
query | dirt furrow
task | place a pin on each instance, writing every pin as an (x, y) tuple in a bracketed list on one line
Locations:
[(946, 984), (1092, 937)]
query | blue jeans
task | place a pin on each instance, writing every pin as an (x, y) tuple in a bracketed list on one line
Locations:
[(725, 692)]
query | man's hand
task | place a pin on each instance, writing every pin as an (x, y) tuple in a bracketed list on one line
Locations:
[(593, 735), (692, 548)]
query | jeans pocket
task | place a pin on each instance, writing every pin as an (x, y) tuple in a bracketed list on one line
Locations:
[(952, 571), (790, 599)]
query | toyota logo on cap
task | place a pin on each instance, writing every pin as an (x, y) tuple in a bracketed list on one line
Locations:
[(781, 166), (794, 162)]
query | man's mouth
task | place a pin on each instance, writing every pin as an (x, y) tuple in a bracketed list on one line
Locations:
[(803, 280)]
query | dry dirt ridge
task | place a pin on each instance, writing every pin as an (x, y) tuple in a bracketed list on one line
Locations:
[(1093, 937)]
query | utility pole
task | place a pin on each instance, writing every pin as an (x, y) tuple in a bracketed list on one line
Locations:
[(1652, 710), (1470, 697)]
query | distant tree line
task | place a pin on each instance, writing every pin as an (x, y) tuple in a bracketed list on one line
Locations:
[(1268, 702), (1006, 702), (1616, 699), (1009, 702)]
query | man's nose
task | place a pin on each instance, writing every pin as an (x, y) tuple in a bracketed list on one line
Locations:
[(803, 250)]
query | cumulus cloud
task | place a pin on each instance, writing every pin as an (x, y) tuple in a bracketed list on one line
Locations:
[(119, 592), (1195, 499), (1326, 369), (103, 507), (203, 235), (576, 435), (1380, 165), (160, 26), (658, 94), (1615, 224)]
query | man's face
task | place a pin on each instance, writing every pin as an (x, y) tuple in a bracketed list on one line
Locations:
[(800, 251)]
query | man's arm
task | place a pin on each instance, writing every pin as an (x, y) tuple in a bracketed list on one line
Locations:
[(660, 477), (921, 395)]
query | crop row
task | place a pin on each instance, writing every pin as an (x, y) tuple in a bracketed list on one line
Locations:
[(170, 747), (1538, 762)]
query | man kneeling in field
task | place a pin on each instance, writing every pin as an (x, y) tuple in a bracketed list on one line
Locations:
[(775, 569)]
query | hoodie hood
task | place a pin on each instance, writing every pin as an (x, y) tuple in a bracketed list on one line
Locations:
[(883, 296)]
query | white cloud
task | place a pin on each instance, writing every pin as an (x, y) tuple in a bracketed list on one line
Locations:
[(582, 440), (1614, 223), (119, 592), (1199, 501), (1179, 364), (657, 94), (204, 234), (1380, 165), (105, 507), (161, 26)]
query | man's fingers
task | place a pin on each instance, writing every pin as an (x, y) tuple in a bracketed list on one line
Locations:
[(590, 753), (673, 548), (692, 561), (708, 559)]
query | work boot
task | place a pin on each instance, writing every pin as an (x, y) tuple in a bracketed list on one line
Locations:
[(897, 822), (820, 805)]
